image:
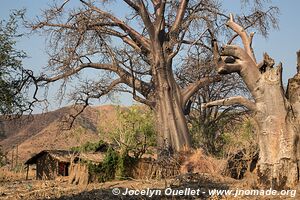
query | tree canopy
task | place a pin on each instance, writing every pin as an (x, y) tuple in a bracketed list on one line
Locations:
[(138, 50), (12, 100)]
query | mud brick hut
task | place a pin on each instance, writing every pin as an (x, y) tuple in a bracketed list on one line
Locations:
[(51, 163)]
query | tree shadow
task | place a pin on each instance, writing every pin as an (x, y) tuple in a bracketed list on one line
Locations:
[(185, 183)]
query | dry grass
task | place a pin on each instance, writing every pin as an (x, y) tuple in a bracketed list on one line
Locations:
[(7, 175), (196, 161)]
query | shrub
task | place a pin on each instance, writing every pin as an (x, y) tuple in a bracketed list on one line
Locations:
[(114, 166), (134, 133), (89, 146)]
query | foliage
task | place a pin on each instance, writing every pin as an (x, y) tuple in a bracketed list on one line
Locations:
[(2, 157), (106, 170), (12, 101), (134, 133), (124, 166), (224, 136), (241, 136), (89, 146), (114, 165)]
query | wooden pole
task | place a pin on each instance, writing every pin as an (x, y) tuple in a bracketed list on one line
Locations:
[(27, 171), (298, 61), (12, 159), (17, 151)]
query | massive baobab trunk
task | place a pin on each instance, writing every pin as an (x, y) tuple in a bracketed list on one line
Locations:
[(275, 113), (171, 123), (277, 132), (293, 94)]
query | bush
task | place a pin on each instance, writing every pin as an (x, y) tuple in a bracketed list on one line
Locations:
[(89, 146), (134, 134), (114, 166), (228, 135)]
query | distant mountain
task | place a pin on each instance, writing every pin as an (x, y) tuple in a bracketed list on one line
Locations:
[(32, 134)]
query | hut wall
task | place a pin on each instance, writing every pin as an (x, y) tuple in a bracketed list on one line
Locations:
[(79, 174), (151, 169), (46, 167)]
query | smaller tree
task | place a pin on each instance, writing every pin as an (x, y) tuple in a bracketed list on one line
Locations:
[(12, 77), (135, 132)]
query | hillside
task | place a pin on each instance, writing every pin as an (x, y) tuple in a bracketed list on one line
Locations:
[(34, 133)]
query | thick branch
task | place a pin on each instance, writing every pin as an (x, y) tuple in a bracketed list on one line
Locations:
[(132, 33), (42, 24), (236, 52), (179, 16), (160, 18), (247, 40), (113, 84), (78, 69), (146, 19), (141, 86), (235, 59), (232, 101), (192, 88), (140, 8), (228, 65), (147, 102), (132, 5)]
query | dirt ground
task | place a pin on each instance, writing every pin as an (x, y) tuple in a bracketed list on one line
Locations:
[(61, 189)]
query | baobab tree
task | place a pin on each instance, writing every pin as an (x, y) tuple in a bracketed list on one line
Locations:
[(275, 111), (138, 52)]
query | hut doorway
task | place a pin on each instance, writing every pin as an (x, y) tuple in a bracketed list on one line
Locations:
[(63, 169)]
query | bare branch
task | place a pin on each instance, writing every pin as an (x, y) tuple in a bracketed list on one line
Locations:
[(132, 33), (147, 102), (132, 5), (82, 103), (191, 89), (146, 19), (140, 8), (140, 85), (247, 40), (179, 17), (77, 69), (231, 101), (112, 85)]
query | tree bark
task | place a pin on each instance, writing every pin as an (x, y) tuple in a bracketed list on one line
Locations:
[(277, 166), (276, 113), (171, 125), (293, 94)]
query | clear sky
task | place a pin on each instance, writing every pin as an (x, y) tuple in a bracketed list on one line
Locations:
[(281, 44)]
